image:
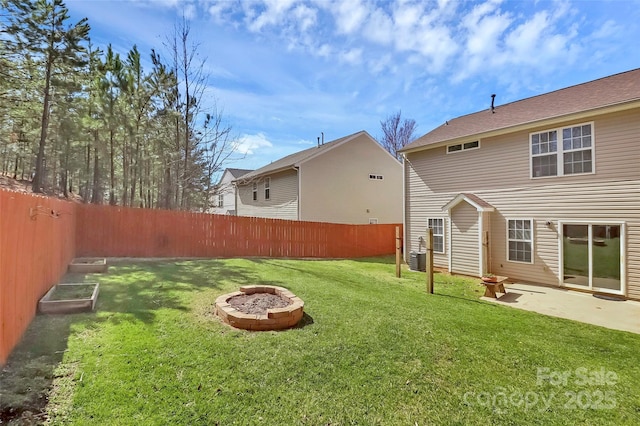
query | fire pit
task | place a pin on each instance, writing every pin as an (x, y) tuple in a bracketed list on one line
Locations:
[(260, 307)]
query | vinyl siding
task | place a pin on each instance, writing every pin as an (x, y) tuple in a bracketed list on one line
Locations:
[(464, 240), (283, 200), (229, 196), (335, 186), (499, 173)]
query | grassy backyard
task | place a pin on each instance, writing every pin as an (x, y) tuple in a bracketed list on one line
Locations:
[(371, 349)]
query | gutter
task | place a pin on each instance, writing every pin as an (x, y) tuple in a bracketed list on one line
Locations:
[(244, 181), (635, 103)]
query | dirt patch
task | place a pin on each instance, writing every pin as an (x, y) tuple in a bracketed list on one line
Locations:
[(258, 303), (68, 292), (24, 186)]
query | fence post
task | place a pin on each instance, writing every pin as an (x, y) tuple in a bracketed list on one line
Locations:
[(429, 260), (398, 248)]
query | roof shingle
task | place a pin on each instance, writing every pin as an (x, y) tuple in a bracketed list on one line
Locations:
[(296, 158), (608, 91)]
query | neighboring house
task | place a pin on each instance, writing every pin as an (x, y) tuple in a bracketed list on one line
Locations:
[(224, 196), (544, 190), (349, 180)]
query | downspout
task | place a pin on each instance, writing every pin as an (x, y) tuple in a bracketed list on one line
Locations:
[(297, 169), (404, 208), (235, 198), (481, 253)]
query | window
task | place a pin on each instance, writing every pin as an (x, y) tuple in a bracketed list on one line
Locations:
[(438, 234), (221, 200), (376, 177), (573, 155), (255, 192), (576, 144), (373, 221), (463, 146), (520, 240), (267, 191)]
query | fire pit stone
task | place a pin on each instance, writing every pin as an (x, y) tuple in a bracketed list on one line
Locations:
[(273, 319)]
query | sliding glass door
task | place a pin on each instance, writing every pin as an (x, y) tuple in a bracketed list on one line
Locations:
[(592, 256)]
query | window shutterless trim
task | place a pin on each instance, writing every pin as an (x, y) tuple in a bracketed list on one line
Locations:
[(443, 235), (267, 188), (532, 240), (465, 146), (560, 151)]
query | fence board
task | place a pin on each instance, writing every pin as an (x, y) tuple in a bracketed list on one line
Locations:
[(128, 232), (35, 249)]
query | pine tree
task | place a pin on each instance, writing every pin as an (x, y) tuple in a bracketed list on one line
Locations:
[(40, 29)]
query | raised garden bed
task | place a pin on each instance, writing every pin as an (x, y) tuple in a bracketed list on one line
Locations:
[(88, 265), (70, 298)]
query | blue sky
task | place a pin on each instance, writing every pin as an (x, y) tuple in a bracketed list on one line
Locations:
[(285, 70)]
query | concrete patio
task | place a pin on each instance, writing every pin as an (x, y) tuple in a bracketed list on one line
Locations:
[(616, 314)]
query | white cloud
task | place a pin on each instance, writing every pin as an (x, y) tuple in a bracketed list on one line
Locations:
[(425, 32), (219, 10), (607, 30), (349, 15), (538, 41), (351, 56), (305, 17), (484, 27), (379, 28), (274, 14), (249, 144), (324, 50)]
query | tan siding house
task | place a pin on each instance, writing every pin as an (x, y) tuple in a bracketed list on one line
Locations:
[(541, 194), (224, 196), (349, 180), (282, 200)]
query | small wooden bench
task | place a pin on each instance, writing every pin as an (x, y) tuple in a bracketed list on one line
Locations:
[(491, 287)]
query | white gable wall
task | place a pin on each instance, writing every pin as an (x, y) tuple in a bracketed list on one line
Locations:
[(229, 197)]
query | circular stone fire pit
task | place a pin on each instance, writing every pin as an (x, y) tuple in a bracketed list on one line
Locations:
[(230, 307)]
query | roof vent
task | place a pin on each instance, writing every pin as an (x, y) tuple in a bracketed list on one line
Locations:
[(493, 99)]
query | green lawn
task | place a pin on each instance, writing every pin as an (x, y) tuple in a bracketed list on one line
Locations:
[(372, 350)]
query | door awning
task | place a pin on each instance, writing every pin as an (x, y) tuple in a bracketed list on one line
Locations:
[(474, 200)]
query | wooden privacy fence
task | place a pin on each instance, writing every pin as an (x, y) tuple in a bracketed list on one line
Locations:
[(39, 237), (128, 232), (36, 245)]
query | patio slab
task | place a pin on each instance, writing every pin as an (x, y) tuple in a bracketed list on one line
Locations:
[(558, 302)]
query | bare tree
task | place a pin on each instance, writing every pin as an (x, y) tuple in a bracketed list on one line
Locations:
[(396, 133)]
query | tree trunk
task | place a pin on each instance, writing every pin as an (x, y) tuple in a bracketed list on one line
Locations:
[(38, 178), (96, 193), (112, 177), (65, 169)]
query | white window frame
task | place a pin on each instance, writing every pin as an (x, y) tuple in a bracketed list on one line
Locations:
[(220, 200), (443, 235), (532, 240), (623, 254), (254, 191), (462, 147), (560, 151), (373, 176), (373, 221), (267, 188)]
